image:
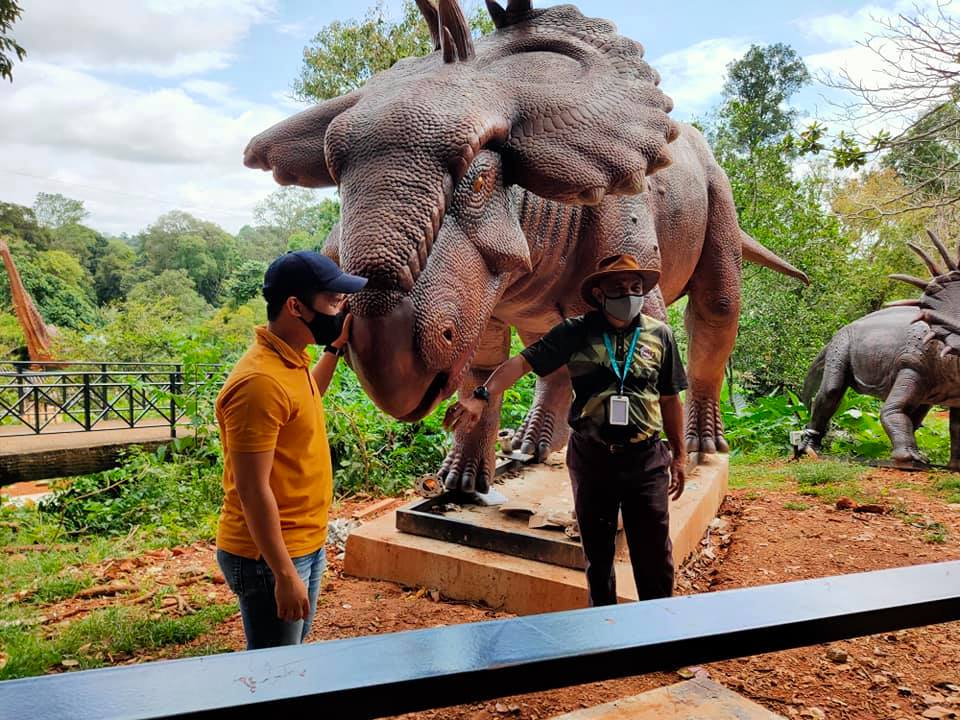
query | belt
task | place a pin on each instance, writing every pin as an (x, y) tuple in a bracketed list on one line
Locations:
[(619, 448)]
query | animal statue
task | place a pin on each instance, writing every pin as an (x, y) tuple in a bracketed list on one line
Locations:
[(481, 183), (905, 358), (36, 332)]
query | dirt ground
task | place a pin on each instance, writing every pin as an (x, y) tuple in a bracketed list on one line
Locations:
[(768, 537)]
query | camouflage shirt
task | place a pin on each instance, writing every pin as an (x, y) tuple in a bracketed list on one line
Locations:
[(656, 370)]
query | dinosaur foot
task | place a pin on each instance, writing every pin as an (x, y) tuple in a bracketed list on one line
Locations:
[(910, 458), (540, 435), (467, 470), (705, 427)]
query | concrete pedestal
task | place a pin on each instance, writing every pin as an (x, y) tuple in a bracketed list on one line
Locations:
[(700, 699), (377, 550)]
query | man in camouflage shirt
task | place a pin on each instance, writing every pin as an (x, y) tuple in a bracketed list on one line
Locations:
[(627, 376)]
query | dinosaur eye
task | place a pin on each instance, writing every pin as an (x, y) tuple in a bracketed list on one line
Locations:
[(479, 183)]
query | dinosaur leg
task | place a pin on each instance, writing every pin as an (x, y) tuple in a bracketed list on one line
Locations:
[(711, 320), (955, 439), (918, 415), (470, 464), (833, 385), (896, 415), (545, 428)]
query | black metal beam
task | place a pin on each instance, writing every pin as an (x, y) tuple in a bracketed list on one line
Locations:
[(382, 675)]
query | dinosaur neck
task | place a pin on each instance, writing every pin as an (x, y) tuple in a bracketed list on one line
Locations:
[(551, 228), (34, 329)]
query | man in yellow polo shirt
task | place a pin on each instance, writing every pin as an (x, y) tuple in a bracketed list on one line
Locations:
[(278, 479)]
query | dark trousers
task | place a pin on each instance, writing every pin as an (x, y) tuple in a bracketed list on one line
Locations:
[(634, 482)]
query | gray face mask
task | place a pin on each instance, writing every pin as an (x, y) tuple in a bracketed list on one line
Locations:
[(624, 308)]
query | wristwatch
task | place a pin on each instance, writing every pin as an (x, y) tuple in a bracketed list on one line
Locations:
[(338, 351), (481, 393)]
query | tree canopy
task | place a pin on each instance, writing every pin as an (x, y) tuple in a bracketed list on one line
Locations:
[(10, 12), (345, 54)]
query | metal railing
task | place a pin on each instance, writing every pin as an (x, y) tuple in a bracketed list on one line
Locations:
[(60, 397), (383, 675)]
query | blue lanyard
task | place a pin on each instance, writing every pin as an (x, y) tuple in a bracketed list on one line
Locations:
[(627, 361)]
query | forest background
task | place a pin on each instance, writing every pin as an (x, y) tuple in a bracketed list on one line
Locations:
[(840, 207)]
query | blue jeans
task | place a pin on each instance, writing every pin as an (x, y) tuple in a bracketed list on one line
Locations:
[(253, 583)]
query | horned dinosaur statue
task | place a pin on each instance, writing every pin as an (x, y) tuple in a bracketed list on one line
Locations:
[(480, 184), (905, 358), (35, 331)]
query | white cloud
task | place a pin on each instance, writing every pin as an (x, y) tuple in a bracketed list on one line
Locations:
[(131, 155), (164, 38), (693, 77)]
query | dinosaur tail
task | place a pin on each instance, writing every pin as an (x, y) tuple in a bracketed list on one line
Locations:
[(811, 383), (757, 253)]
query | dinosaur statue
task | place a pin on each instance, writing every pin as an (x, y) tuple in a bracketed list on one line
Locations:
[(35, 331), (893, 355), (480, 184)]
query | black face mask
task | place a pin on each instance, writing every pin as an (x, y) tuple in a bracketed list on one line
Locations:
[(325, 328)]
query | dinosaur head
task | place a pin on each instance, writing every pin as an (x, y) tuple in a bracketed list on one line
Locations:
[(431, 158), (940, 302)]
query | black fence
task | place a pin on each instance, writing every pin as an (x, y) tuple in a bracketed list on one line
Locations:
[(59, 397), (382, 675)]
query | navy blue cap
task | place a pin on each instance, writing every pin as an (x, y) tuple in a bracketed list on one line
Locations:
[(303, 272)]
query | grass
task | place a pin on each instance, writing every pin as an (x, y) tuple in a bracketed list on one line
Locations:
[(824, 479), (798, 506), (947, 486), (92, 640)]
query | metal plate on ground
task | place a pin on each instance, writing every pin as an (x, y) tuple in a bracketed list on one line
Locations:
[(487, 528)]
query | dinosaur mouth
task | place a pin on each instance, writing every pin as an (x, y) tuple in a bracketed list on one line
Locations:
[(443, 386)]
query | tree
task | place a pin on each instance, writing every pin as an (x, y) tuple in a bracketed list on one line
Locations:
[(915, 87), (260, 243), (292, 208), (175, 286), (782, 325), (84, 243), (756, 92), (10, 12), (115, 272), (19, 221), (245, 282), (53, 210), (60, 286), (179, 241), (344, 55)]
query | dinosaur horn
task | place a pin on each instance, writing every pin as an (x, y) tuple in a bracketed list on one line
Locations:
[(519, 7), (927, 260), (497, 14), (432, 17), (910, 279), (951, 263), (455, 38), (516, 11), (902, 303)]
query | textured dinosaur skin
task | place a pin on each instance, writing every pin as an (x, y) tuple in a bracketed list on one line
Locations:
[(905, 357), (481, 184)]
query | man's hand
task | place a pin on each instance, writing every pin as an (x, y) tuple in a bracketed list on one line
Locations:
[(293, 603), (344, 337), (464, 415), (678, 475)]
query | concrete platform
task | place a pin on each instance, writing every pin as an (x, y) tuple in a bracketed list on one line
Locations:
[(377, 550), (698, 699)]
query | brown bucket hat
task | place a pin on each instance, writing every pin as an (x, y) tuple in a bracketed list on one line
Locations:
[(618, 265)]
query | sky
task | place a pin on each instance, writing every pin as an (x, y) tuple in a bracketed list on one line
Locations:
[(142, 107)]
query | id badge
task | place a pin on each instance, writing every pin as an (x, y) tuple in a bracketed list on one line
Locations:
[(619, 410)]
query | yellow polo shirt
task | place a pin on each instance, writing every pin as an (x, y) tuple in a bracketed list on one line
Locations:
[(271, 402)]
